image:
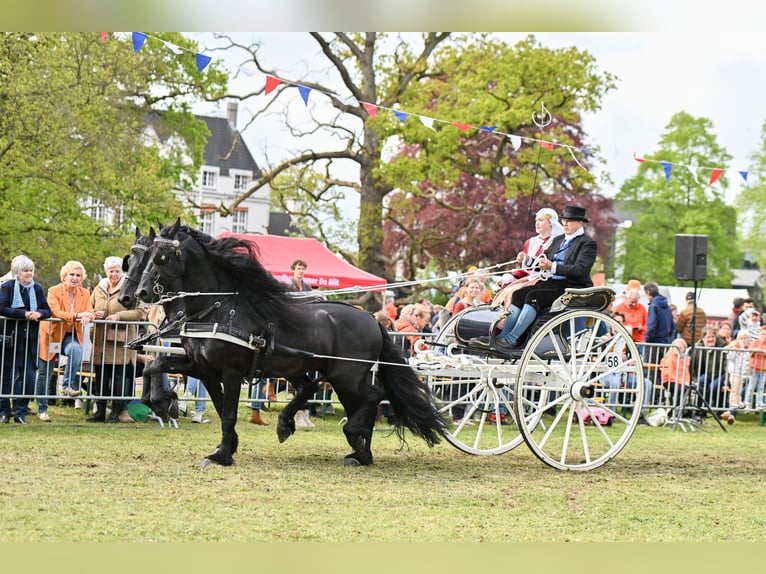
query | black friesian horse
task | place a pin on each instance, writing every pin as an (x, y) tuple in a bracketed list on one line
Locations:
[(242, 319)]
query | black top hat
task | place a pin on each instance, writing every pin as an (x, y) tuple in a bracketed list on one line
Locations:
[(574, 212)]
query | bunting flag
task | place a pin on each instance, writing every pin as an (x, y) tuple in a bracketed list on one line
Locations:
[(372, 109), (304, 91), (138, 41), (272, 82), (202, 62), (715, 172), (104, 36)]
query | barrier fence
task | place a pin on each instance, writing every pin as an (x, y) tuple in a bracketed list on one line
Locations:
[(110, 371)]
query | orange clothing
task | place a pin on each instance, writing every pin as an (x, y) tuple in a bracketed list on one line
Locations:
[(486, 297), (675, 369), (758, 358), (63, 308), (634, 317), (404, 326)]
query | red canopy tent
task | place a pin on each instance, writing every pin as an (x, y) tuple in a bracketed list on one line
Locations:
[(324, 269)]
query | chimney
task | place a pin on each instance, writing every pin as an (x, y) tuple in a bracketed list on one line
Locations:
[(231, 114)]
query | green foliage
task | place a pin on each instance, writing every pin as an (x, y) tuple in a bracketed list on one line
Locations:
[(752, 204), (682, 204), (74, 114)]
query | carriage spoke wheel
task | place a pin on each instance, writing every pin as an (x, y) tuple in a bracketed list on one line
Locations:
[(579, 390), (480, 405)]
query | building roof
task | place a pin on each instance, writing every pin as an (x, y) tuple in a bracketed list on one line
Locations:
[(225, 142)]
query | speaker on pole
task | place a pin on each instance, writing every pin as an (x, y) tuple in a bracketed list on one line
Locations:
[(691, 257)]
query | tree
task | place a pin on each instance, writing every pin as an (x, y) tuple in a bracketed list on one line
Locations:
[(74, 117), (450, 75), (470, 197), (752, 204), (681, 203)]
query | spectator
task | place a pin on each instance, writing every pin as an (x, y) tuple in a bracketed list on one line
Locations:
[(459, 291), (737, 369), (256, 406), (471, 296), (632, 284), (195, 388), (70, 302), (570, 258), (635, 315), (412, 320), (724, 332), (114, 363), (751, 322), (299, 269), (674, 368), (659, 317), (740, 320), (547, 227), (23, 300), (384, 319), (709, 366), (613, 381), (736, 309), (757, 376), (687, 316)]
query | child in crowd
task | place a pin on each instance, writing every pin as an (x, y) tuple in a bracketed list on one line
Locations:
[(674, 368), (737, 369)]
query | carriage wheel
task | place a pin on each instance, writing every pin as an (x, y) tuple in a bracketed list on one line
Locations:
[(479, 405), (578, 393)]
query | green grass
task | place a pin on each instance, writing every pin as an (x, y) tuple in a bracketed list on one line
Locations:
[(74, 481)]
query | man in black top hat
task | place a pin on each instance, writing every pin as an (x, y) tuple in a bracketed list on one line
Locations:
[(570, 258)]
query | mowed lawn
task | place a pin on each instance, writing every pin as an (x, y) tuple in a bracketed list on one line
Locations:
[(74, 481)]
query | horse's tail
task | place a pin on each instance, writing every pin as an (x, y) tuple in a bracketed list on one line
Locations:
[(413, 403)]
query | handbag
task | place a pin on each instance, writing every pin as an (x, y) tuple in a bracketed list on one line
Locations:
[(115, 334)]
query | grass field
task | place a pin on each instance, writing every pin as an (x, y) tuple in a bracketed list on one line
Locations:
[(74, 481)]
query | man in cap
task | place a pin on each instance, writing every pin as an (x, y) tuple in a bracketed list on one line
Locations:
[(569, 258)]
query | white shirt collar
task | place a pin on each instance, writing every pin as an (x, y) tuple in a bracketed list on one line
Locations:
[(575, 234)]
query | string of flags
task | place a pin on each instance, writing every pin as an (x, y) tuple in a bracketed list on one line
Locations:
[(715, 172), (372, 109)]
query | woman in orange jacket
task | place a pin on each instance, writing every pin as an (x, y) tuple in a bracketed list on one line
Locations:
[(69, 301), (674, 368)]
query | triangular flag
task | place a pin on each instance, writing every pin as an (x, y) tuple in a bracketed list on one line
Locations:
[(401, 116), (462, 127), (546, 145), (271, 84), (744, 176), (515, 141), (175, 48), (103, 36), (489, 129), (304, 93), (372, 109), (138, 41), (586, 151), (428, 122), (693, 170), (638, 159), (666, 166), (714, 175), (202, 62)]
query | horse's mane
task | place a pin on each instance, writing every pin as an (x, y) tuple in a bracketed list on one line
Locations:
[(237, 261)]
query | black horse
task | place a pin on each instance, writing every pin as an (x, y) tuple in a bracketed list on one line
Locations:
[(242, 320)]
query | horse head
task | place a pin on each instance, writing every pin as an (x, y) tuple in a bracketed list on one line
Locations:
[(133, 265), (161, 263)]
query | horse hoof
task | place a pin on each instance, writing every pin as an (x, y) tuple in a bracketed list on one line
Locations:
[(351, 461), (284, 433)]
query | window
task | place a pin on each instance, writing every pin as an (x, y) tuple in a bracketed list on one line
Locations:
[(208, 178), (241, 182), (239, 221), (206, 221), (98, 212)]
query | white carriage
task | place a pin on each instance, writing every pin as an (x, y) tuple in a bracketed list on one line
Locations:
[(573, 392)]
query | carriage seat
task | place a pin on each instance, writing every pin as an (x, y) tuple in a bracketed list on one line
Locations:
[(478, 327)]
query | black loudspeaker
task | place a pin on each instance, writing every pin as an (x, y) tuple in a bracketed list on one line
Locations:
[(691, 257)]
